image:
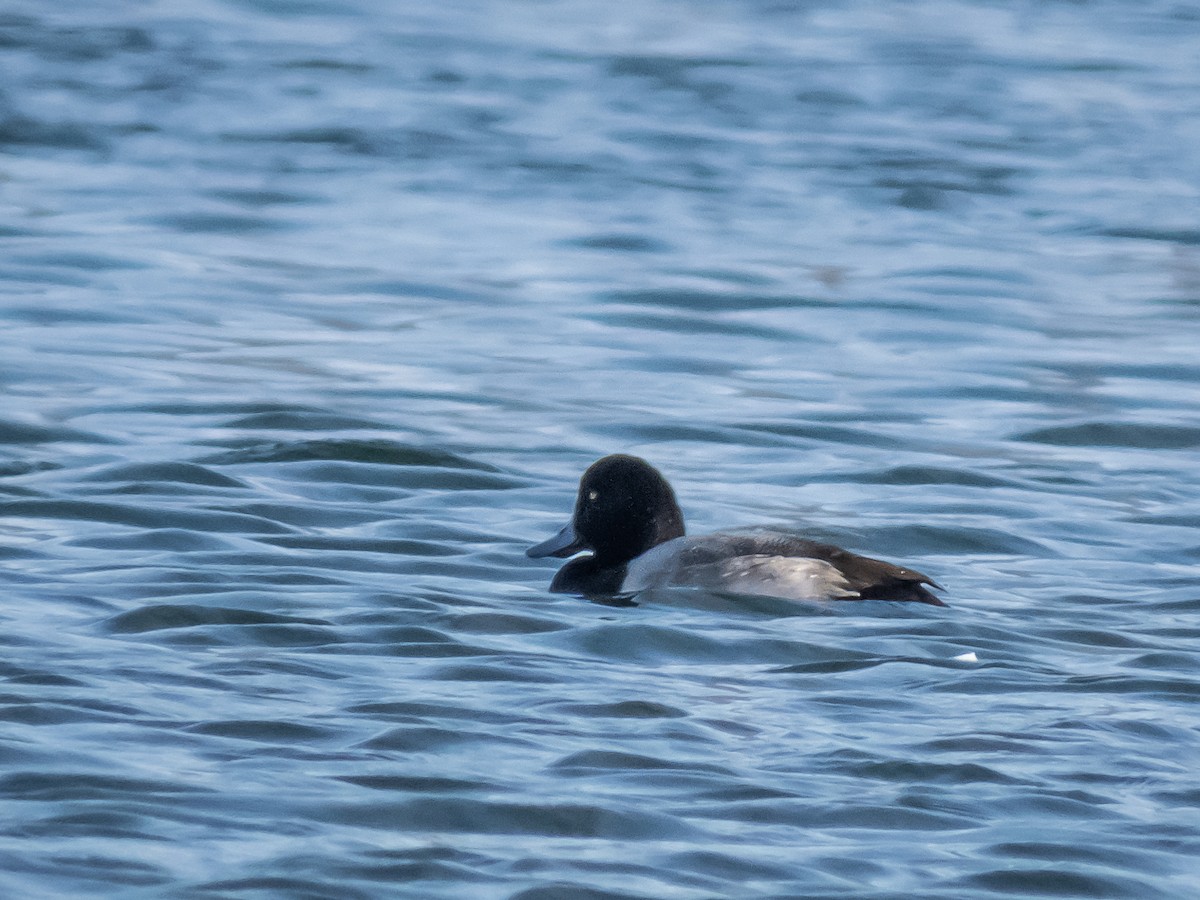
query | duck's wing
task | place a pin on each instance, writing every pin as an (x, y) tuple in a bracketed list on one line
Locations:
[(708, 562), (792, 577), (782, 564)]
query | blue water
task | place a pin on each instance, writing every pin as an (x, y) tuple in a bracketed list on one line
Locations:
[(311, 315)]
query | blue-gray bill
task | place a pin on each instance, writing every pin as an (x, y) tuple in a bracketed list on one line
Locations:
[(565, 543)]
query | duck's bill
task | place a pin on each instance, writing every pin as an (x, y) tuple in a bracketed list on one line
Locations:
[(565, 543)]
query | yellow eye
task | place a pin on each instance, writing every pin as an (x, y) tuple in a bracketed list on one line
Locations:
[(592, 495)]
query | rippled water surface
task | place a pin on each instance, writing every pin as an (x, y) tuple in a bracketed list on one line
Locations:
[(311, 315)]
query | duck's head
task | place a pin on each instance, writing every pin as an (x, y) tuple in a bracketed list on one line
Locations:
[(624, 507)]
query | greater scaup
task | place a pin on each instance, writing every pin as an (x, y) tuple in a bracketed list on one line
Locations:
[(627, 515)]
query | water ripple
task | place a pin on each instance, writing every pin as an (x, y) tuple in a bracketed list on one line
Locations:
[(312, 314)]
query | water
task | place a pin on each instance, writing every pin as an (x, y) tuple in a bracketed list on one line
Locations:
[(313, 314)]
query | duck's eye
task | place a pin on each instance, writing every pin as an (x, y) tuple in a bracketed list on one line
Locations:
[(592, 495)]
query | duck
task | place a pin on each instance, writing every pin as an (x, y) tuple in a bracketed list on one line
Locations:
[(627, 516)]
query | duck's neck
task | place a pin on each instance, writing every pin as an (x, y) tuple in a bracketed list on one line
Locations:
[(669, 526)]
